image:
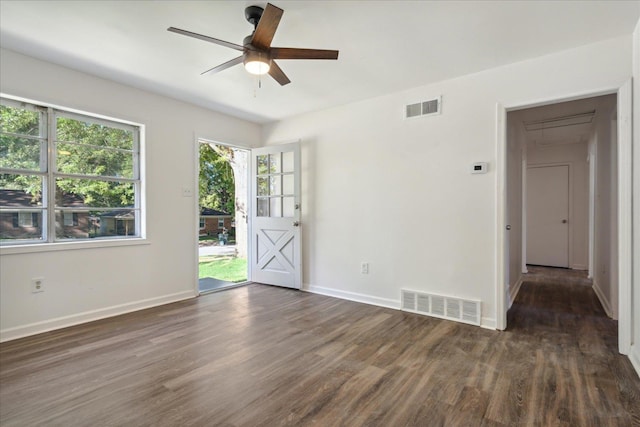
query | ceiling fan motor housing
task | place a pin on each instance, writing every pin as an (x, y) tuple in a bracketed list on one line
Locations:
[(253, 14)]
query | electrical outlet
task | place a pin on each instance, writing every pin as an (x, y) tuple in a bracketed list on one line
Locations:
[(364, 268), (187, 192), (37, 285)]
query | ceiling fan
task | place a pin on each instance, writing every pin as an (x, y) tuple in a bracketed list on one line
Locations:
[(257, 54)]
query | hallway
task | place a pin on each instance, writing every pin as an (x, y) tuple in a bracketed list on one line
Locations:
[(574, 344)]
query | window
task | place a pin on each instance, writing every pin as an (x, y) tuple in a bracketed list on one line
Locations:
[(275, 177), (69, 176), (220, 223), (25, 219), (70, 219), (202, 222)]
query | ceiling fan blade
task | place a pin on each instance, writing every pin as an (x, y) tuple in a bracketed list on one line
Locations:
[(206, 38), (295, 53), (267, 27), (276, 72), (228, 64)]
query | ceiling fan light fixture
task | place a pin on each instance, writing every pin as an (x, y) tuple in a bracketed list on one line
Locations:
[(257, 63)]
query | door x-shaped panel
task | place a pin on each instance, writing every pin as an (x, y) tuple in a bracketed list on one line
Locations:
[(275, 250)]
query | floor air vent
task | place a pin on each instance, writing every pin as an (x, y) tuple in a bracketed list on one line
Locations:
[(424, 108), (450, 308)]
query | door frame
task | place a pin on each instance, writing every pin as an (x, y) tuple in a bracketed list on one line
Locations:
[(196, 198), (625, 261), (569, 214)]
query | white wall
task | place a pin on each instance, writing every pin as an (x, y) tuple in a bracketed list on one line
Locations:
[(515, 153), (398, 193), (635, 309), (90, 283), (605, 268)]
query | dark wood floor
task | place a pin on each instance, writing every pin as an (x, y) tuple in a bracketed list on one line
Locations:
[(260, 355)]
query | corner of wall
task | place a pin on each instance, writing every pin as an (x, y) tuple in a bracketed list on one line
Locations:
[(604, 301), (514, 289), (634, 356)]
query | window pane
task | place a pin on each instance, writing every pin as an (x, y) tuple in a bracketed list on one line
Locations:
[(263, 165), (274, 163), (287, 161), (19, 153), (288, 207), (20, 191), (19, 121), (263, 207), (71, 192), (85, 132), (275, 207), (95, 224), (20, 224), (263, 186), (287, 184), (92, 160), (275, 185)]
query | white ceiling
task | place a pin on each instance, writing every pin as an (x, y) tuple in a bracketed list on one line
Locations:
[(385, 46)]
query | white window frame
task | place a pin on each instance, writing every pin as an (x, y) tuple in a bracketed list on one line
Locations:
[(203, 223), (49, 173), (220, 222)]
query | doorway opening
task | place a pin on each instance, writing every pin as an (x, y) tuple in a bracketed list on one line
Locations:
[(561, 207), (222, 206)]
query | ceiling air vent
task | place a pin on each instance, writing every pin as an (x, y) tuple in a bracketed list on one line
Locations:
[(424, 108)]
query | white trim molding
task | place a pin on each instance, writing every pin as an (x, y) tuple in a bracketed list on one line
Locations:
[(604, 301), (501, 253), (513, 291), (90, 316), (353, 296), (625, 231)]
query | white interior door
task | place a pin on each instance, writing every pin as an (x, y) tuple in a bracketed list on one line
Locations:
[(275, 216), (548, 216)]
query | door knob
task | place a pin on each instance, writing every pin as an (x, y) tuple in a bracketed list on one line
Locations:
[(296, 223), (564, 221)]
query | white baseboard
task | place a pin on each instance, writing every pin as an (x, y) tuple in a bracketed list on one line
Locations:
[(603, 299), (634, 356), (353, 296), (579, 267), (89, 316), (513, 291), (487, 323)]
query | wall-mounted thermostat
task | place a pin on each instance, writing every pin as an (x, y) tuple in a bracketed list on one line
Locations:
[(480, 167)]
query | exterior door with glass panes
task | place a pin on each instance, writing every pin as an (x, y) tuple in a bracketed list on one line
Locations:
[(275, 215)]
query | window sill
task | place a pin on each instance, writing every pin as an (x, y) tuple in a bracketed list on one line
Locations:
[(68, 246)]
